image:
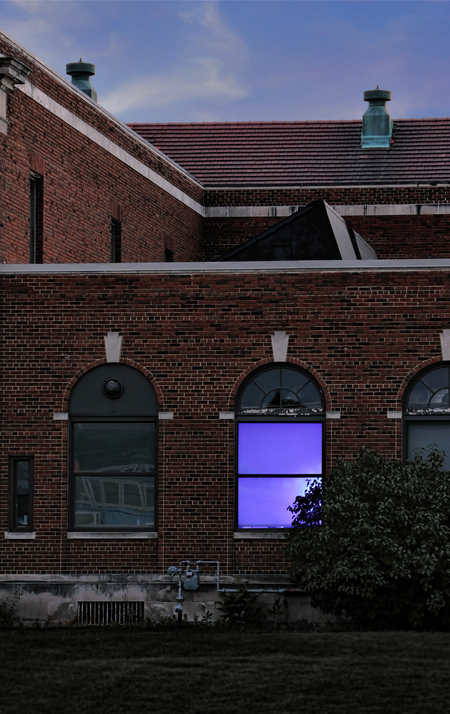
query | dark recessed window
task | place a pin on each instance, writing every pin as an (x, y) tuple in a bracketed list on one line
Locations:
[(113, 455), (426, 412), (116, 241), (36, 218), (21, 493), (279, 444)]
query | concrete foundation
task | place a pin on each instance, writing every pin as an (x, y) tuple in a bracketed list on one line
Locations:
[(54, 599)]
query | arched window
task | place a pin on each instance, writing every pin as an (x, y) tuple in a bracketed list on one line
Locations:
[(427, 412), (113, 420), (280, 413)]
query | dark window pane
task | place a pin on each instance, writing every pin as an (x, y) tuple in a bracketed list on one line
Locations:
[(269, 380), (419, 397), (252, 397), (436, 379), (21, 505), (22, 477), (114, 501), (289, 399), (440, 399), (114, 448), (273, 399), (281, 389), (22, 510), (426, 434), (293, 380), (310, 397)]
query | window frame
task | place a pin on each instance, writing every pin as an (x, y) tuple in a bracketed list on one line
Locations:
[(282, 415), (426, 415), (73, 526), (36, 246), (89, 404), (116, 240), (13, 526)]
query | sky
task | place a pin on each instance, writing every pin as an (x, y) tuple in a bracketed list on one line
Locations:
[(245, 60)]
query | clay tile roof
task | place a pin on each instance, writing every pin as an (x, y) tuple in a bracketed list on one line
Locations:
[(315, 153)]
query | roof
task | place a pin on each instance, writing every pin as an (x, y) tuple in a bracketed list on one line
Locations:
[(315, 232), (318, 153)]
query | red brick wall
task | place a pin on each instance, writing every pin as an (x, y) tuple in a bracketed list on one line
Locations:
[(84, 186), (334, 195), (196, 336), (410, 236)]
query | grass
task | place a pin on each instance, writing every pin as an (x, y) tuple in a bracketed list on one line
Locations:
[(190, 670)]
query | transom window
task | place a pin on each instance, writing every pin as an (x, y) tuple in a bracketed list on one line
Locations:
[(113, 422), (279, 444), (427, 412), (281, 390)]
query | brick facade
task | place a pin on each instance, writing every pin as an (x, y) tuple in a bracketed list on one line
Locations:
[(196, 335), (196, 331)]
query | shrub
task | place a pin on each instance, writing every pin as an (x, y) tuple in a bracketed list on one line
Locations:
[(7, 609), (373, 543), (239, 609)]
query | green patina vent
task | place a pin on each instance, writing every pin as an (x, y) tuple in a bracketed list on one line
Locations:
[(377, 124), (81, 73)]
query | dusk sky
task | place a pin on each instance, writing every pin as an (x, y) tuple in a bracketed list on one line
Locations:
[(245, 60)]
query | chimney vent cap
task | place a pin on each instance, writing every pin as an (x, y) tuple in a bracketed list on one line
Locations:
[(80, 67), (377, 94)]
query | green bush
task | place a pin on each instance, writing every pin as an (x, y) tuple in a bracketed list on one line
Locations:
[(8, 608), (239, 609), (373, 543)]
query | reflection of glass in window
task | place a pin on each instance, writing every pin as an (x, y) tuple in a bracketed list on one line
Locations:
[(281, 388), (426, 413), (113, 447), (115, 501)]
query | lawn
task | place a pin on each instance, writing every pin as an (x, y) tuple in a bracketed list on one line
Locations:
[(189, 670)]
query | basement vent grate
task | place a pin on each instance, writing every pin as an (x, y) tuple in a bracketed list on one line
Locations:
[(110, 613)]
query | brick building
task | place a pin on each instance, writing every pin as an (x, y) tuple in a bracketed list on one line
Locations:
[(155, 373)]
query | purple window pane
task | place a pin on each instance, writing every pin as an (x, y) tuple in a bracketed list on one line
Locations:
[(280, 448), (263, 502)]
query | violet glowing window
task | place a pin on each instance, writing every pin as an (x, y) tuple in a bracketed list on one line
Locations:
[(275, 462), (277, 456)]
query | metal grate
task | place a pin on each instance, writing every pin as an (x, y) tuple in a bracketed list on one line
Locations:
[(110, 613)]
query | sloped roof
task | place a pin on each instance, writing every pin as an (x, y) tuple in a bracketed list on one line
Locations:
[(315, 232), (317, 153)]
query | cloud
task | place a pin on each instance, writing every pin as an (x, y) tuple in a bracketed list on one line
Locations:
[(47, 29), (206, 67), (219, 39), (204, 78)]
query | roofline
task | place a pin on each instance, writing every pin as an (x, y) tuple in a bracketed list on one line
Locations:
[(315, 186), (81, 95), (242, 267), (280, 122)]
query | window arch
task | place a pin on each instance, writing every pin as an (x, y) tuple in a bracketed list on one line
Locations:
[(426, 411), (280, 418), (112, 458)]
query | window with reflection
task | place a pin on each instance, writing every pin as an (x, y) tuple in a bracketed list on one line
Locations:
[(280, 416), (113, 421), (427, 412), (20, 493)]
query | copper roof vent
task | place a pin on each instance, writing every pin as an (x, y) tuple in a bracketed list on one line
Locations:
[(80, 73), (377, 125)]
